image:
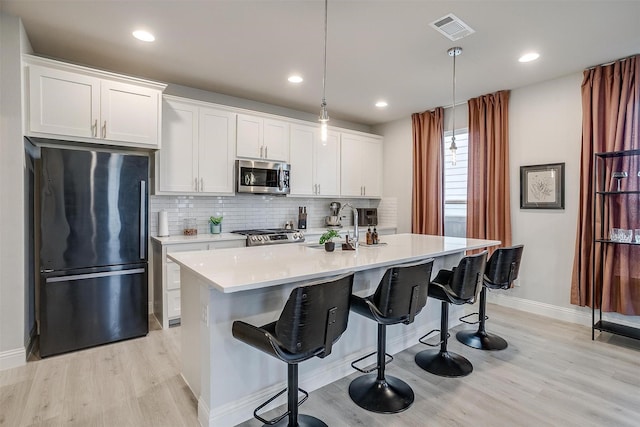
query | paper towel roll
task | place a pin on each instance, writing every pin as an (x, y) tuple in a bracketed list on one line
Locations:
[(163, 224)]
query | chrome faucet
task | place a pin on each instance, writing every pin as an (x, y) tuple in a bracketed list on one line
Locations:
[(356, 235)]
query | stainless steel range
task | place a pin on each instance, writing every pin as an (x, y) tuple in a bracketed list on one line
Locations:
[(271, 236)]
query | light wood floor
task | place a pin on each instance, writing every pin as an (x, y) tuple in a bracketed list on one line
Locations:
[(551, 374)]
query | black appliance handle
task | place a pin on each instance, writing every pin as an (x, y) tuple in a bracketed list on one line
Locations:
[(143, 218), (280, 178), (93, 275)]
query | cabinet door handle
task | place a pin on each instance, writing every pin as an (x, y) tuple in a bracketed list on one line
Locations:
[(261, 150), (266, 151), (94, 129), (319, 189), (364, 190), (196, 184), (201, 184), (104, 129)]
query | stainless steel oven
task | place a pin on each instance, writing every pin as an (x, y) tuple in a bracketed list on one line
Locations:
[(262, 177), (271, 236)]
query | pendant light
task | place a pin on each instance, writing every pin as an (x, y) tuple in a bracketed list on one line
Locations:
[(324, 114), (453, 52)]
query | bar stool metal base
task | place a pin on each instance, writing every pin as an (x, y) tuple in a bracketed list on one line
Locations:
[(481, 340), (387, 396), (444, 364), (303, 421)]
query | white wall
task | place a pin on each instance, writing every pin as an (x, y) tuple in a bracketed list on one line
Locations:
[(398, 168), (232, 101), (545, 127), (12, 214)]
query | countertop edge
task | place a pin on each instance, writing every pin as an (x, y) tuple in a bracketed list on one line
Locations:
[(465, 245)]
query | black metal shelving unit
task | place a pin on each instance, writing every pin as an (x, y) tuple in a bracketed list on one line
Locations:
[(603, 162)]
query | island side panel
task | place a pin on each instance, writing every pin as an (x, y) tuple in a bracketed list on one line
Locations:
[(235, 378)]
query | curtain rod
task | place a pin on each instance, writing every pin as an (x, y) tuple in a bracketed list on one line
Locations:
[(611, 62), (457, 103)]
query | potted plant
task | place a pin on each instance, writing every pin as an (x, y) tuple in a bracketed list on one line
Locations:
[(215, 224), (327, 240)]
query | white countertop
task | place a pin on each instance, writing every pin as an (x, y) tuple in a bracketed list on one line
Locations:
[(238, 269), (207, 237), (198, 238)]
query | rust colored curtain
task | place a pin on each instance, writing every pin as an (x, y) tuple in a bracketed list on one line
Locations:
[(488, 191), (427, 211), (610, 122)]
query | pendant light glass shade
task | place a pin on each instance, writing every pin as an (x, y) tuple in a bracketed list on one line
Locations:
[(324, 120), (324, 114), (453, 52)]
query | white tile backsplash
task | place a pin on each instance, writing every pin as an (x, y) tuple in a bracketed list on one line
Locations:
[(247, 211)]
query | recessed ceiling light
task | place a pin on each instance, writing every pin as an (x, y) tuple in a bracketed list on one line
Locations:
[(528, 57), (381, 104), (143, 35), (295, 79)]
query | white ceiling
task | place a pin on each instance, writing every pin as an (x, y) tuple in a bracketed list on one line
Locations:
[(376, 49)]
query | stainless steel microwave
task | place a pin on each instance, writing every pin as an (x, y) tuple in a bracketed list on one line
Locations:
[(262, 177)]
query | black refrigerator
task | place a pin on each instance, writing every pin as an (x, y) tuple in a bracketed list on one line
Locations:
[(92, 236)]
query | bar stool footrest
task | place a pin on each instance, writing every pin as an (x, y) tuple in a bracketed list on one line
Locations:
[(388, 359), (274, 421), (462, 319), (423, 338)]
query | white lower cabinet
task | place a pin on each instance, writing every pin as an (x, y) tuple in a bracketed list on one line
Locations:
[(166, 275), (315, 166), (197, 155)]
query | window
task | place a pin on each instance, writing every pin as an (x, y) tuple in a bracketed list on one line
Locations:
[(455, 185)]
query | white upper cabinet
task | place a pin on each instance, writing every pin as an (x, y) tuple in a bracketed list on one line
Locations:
[(178, 158), (361, 166), (262, 138), (81, 104), (327, 165), (130, 113), (216, 151), (81, 97), (197, 155), (302, 160), (315, 167)]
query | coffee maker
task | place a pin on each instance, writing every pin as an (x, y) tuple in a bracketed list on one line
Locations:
[(333, 220)]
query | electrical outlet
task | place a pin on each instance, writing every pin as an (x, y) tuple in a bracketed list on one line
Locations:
[(204, 316)]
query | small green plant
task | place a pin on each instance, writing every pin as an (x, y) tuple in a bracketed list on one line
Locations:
[(328, 236), (215, 220)]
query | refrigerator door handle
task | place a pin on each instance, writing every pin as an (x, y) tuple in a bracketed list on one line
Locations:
[(93, 275), (143, 218)]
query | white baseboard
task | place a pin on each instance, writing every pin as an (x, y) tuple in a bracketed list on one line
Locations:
[(579, 315), (13, 358)]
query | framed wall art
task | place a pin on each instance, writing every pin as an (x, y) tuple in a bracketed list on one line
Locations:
[(542, 186)]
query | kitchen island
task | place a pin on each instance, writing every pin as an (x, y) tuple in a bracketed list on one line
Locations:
[(229, 378)]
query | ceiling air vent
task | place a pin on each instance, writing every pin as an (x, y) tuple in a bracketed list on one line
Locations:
[(452, 27)]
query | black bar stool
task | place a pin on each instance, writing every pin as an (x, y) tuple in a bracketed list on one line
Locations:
[(458, 286), (313, 318), (401, 294), (500, 272)]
